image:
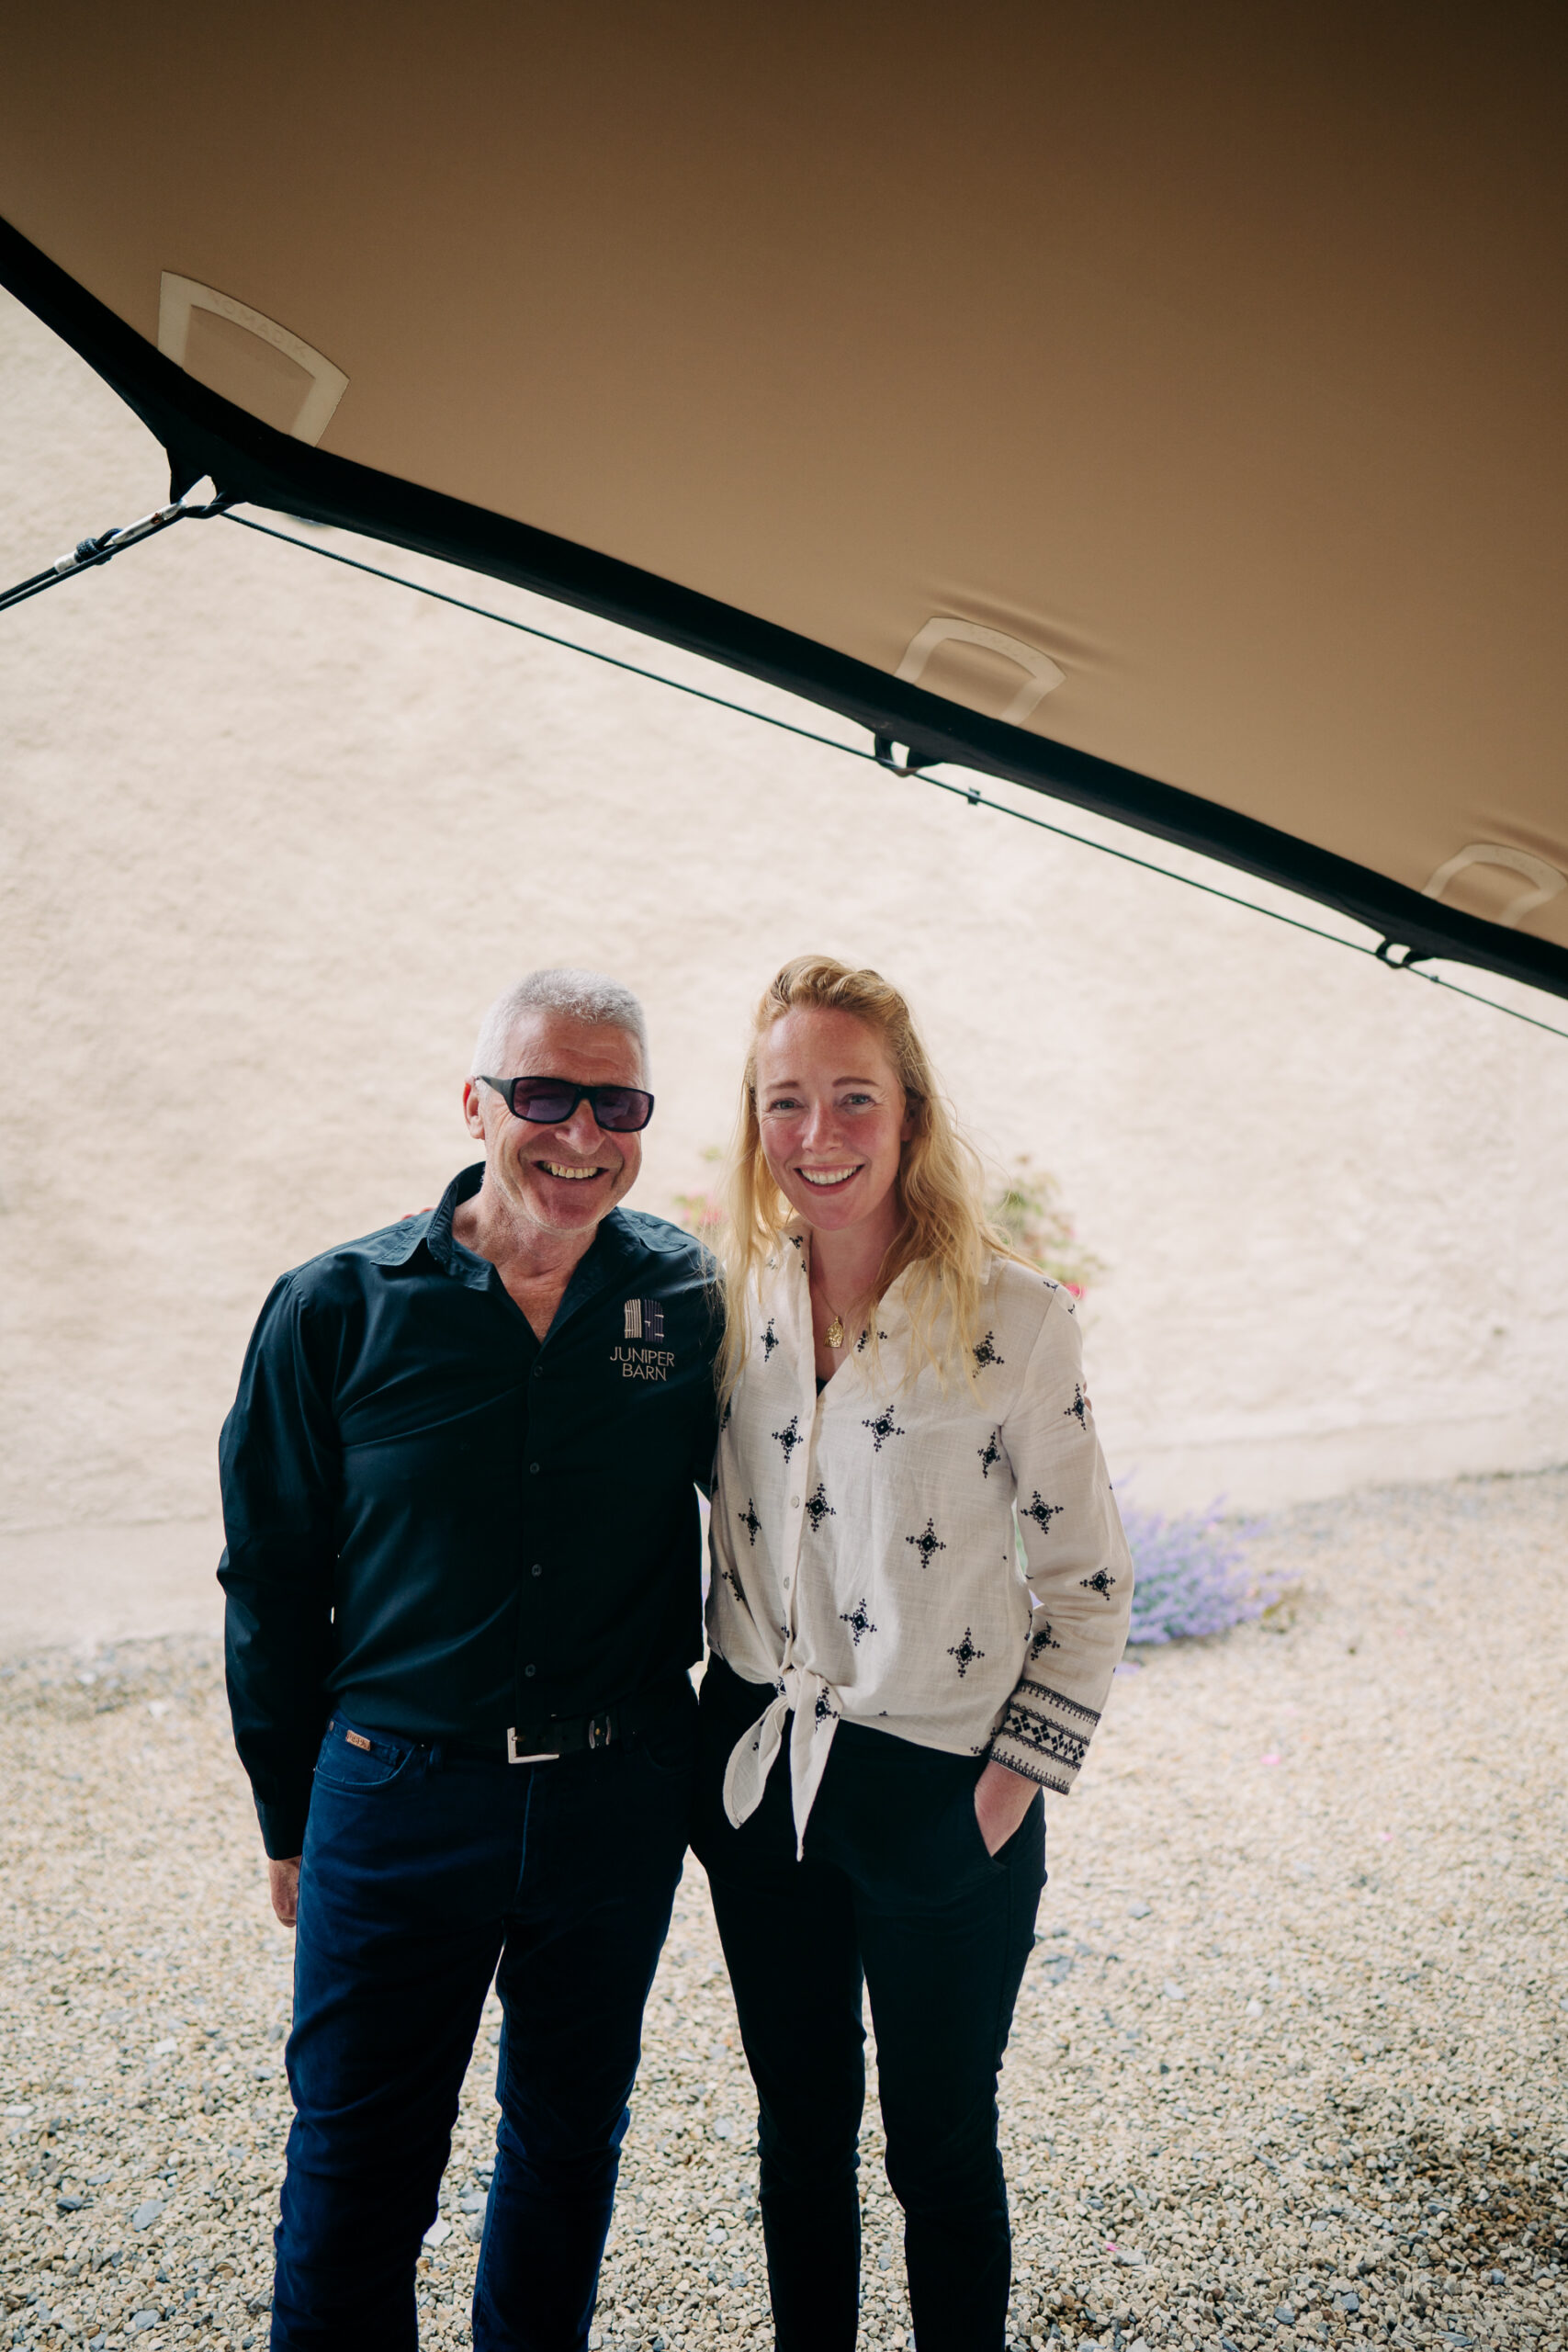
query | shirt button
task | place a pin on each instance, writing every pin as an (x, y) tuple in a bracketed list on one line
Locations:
[(529, 1672), (794, 1502), (533, 1469), (537, 1570)]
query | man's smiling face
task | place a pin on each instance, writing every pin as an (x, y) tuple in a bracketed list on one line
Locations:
[(561, 1179)]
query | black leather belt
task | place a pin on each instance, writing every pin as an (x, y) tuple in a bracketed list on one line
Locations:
[(558, 1735)]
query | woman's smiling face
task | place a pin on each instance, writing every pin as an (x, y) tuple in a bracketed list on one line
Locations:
[(832, 1116)]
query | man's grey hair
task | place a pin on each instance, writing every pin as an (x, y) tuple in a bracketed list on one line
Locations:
[(591, 996)]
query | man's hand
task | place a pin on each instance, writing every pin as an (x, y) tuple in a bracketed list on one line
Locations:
[(1001, 1800), (283, 1885)]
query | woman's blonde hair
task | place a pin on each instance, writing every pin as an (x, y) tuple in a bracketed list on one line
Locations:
[(945, 1241)]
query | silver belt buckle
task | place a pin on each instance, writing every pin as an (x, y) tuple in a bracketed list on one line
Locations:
[(514, 1756)]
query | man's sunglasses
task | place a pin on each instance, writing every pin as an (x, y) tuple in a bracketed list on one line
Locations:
[(551, 1101)]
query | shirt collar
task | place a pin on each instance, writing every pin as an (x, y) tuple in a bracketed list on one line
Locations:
[(442, 1242)]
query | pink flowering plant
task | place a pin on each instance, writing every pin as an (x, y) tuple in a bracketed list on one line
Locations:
[(1027, 1208)]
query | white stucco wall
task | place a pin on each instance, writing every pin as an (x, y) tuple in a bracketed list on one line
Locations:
[(273, 833)]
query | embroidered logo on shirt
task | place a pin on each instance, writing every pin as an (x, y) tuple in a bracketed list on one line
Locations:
[(644, 1363), (645, 1319), (882, 1429), (1042, 1513), (858, 1620), (928, 1545), (986, 1353), (817, 1508), (966, 1653)]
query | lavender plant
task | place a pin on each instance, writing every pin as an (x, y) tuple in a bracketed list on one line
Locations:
[(1191, 1574)]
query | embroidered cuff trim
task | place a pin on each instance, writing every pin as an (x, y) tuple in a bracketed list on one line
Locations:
[(1049, 1730), (1042, 1691)]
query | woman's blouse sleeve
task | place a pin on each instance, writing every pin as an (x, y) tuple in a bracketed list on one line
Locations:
[(1079, 1571)]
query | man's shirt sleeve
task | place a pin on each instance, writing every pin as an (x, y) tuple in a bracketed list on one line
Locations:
[(278, 1462)]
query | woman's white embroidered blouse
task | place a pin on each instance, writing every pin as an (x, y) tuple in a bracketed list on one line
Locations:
[(863, 1543)]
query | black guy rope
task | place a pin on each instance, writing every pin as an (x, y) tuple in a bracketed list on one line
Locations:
[(88, 553), (881, 756)]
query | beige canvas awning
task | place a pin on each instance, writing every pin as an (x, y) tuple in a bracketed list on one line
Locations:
[(1163, 407)]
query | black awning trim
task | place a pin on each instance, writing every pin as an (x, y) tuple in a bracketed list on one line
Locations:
[(205, 435)]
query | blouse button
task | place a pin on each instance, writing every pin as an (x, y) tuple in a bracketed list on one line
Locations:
[(794, 1502)]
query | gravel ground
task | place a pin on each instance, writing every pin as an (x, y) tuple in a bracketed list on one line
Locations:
[(1288, 2061)]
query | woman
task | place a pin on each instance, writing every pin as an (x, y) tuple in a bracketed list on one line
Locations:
[(883, 1706)]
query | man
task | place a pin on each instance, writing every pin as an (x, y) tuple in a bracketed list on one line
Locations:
[(463, 1592)]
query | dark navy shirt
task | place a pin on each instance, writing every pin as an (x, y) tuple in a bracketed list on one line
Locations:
[(445, 1526)]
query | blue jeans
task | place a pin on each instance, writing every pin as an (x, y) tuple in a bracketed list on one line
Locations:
[(423, 1870)]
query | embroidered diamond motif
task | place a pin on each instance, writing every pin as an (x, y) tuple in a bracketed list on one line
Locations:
[(789, 1437), (770, 1341), (1042, 1513), (1042, 1641), (1100, 1582), (1079, 1409), (882, 1429), (858, 1620), (1052, 1742), (991, 1454), (732, 1578), (824, 1711), (928, 1545), (749, 1521), (986, 1353), (817, 1508), (966, 1653)]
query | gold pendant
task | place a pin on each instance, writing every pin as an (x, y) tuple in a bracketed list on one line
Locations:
[(835, 1332)]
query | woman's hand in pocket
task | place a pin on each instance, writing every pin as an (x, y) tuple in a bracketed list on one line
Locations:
[(1001, 1800)]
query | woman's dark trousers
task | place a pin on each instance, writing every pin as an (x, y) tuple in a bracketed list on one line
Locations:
[(895, 1890), (424, 1874)]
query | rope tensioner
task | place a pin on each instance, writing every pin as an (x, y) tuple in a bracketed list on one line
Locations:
[(86, 553)]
